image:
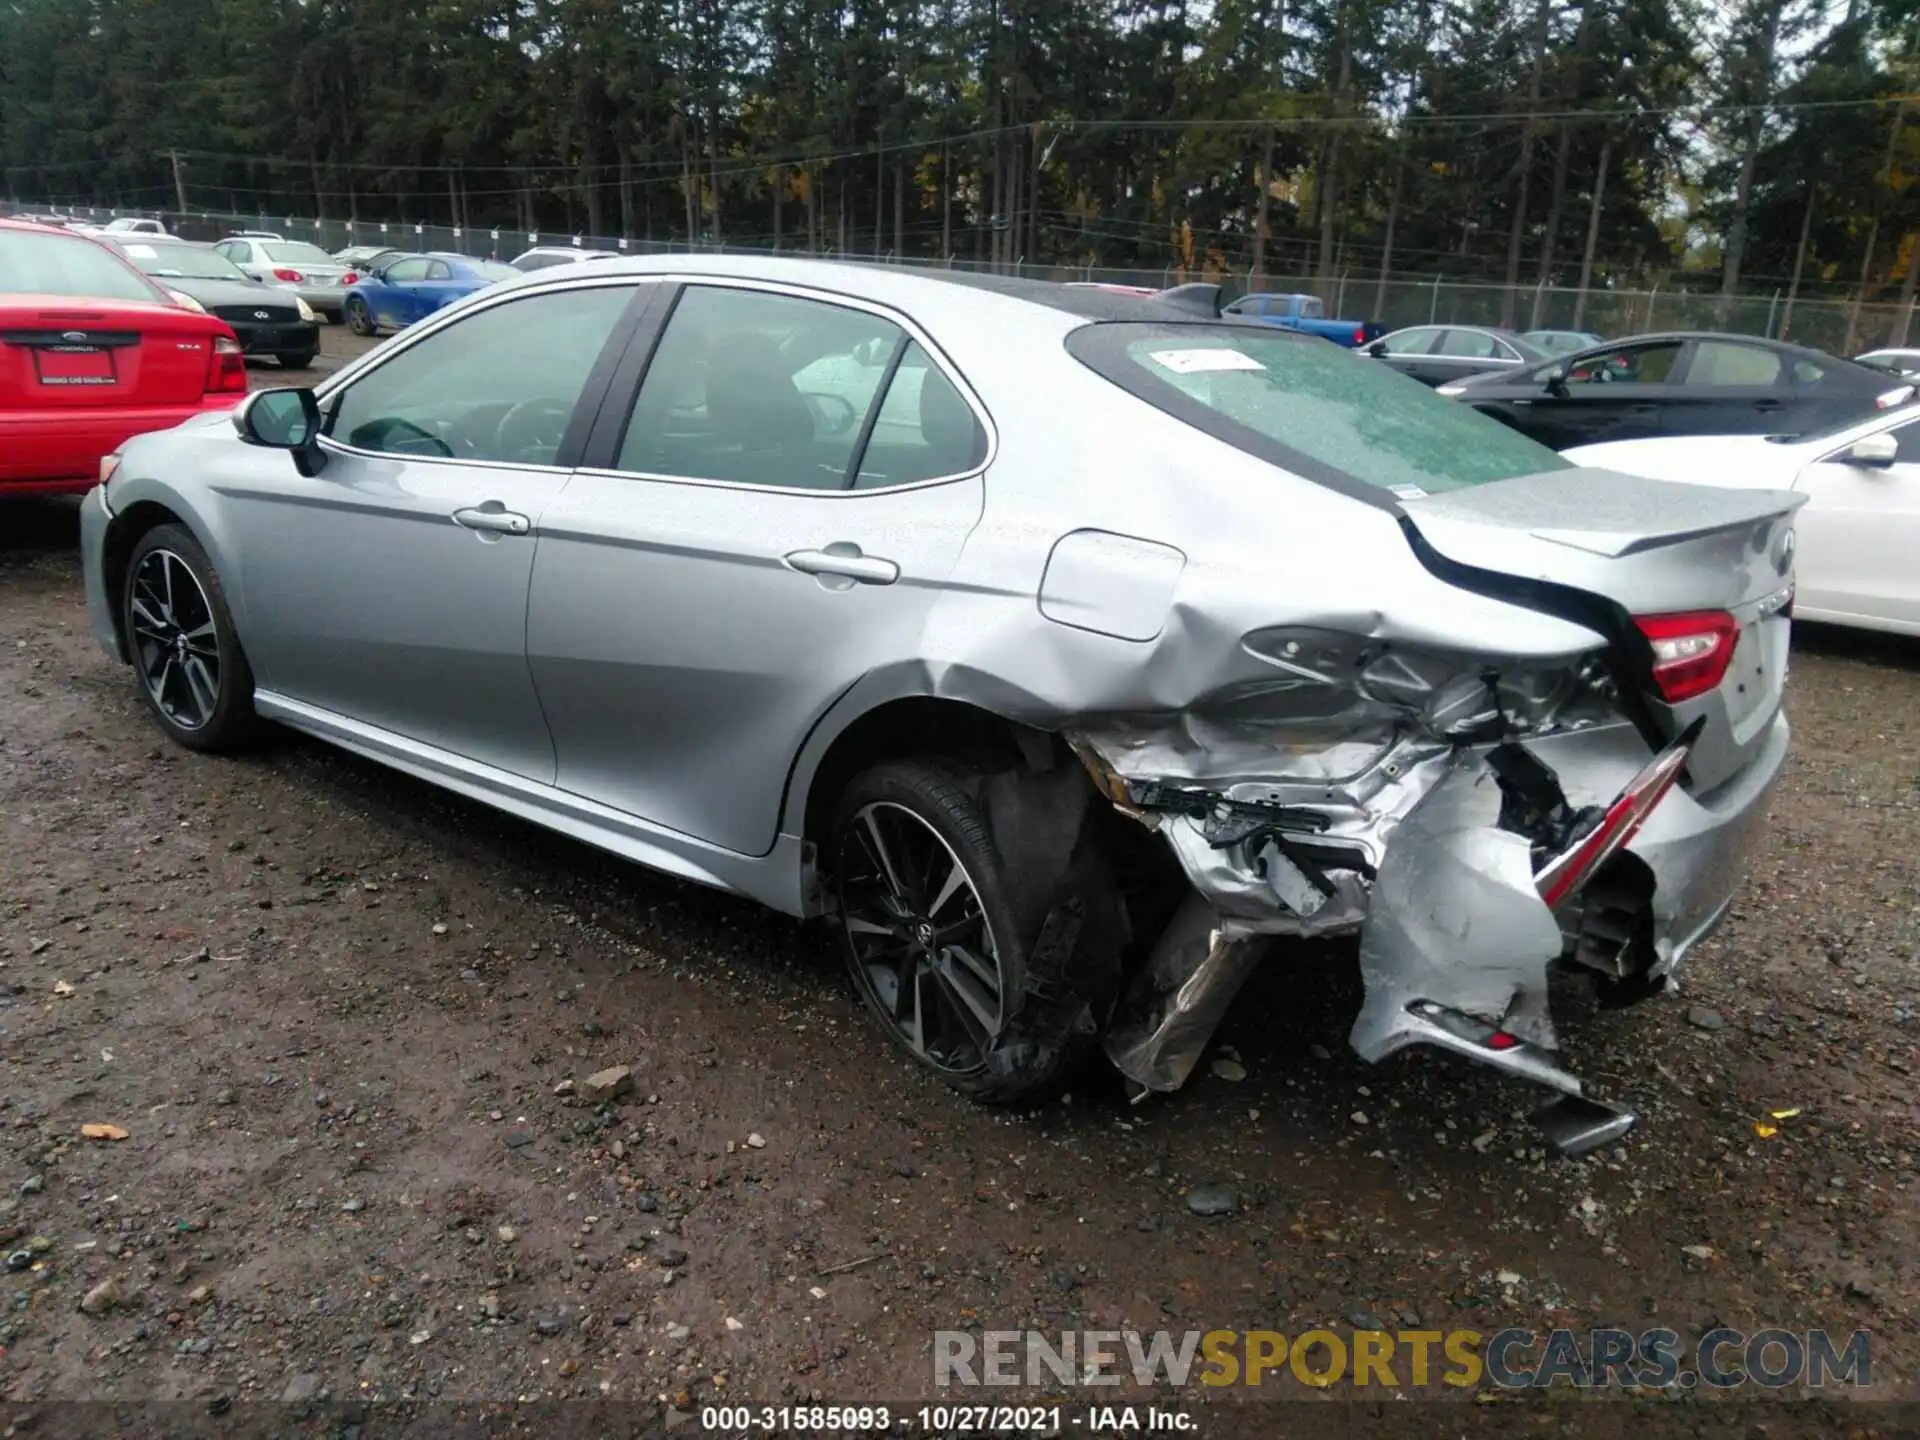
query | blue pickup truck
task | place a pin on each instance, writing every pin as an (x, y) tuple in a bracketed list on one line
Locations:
[(1306, 314)]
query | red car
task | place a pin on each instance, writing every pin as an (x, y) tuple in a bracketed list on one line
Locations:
[(92, 352)]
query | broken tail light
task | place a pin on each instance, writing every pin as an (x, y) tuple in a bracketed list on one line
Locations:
[(226, 367), (1575, 865), (1691, 651)]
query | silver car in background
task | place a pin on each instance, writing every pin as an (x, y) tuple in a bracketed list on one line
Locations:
[(1068, 651), (308, 271)]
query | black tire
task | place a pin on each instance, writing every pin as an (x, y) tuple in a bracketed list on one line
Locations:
[(359, 317), (1045, 928), (173, 630), (296, 359)]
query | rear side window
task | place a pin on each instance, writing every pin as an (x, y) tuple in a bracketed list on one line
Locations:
[(32, 263), (1716, 364), (1313, 408), (924, 430), (1469, 344)]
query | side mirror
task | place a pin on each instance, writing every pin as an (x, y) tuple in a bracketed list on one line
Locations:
[(284, 420), (1555, 379), (1874, 452), (1377, 349)]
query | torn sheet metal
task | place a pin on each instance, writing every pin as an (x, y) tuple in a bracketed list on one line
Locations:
[(1177, 1000)]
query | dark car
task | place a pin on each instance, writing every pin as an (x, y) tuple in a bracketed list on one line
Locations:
[(267, 319), (1437, 354), (1684, 383)]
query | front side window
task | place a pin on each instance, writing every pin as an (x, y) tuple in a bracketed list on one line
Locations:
[(1313, 408), (759, 389), (500, 385), (402, 272), (1719, 364), (1632, 365)]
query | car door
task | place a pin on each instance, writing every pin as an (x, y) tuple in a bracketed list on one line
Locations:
[(1408, 351), (1858, 534), (392, 295), (1614, 394), (435, 289), (1729, 387), (1462, 353), (766, 514), (391, 587)]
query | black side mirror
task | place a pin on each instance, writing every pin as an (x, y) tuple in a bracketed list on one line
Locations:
[(1377, 349), (1555, 378), (284, 420)]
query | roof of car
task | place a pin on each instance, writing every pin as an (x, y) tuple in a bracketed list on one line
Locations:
[(885, 282)]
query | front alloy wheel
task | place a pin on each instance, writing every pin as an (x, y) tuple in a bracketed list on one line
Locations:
[(193, 674)]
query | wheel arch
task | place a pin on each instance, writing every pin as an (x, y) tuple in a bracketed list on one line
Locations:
[(130, 524)]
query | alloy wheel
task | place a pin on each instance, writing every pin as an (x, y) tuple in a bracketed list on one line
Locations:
[(176, 644), (918, 937)]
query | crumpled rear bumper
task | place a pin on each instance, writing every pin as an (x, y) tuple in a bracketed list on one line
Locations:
[(1456, 943)]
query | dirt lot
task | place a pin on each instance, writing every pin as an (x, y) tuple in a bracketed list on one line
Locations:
[(344, 1021)]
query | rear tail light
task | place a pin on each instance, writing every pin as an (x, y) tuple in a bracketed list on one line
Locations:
[(349, 278), (282, 273), (1360, 336), (226, 367), (1691, 651), (1575, 865)]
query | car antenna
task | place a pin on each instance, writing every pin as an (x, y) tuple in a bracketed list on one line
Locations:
[(1201, 298)]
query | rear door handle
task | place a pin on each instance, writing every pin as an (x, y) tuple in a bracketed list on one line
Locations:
[(492, 516), (845, 560)]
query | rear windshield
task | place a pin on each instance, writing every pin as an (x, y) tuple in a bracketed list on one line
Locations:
[(35, 263), (1310, 406), (296, 250)]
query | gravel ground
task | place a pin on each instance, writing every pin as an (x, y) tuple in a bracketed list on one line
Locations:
[(347, 1022)]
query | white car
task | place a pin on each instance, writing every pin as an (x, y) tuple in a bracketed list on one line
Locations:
[(1907, 362), (1859, 531), (133, 225), (545, 257)]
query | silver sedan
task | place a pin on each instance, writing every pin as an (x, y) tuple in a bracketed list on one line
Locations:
[(1069, 652)]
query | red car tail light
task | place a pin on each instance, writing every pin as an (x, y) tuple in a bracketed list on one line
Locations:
[(226, 367), (282, 273), (349, 278), (1691, 651), (1575, 865), (1360, 336)]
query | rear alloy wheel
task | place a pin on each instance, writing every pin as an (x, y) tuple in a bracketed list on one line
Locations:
[(359, 317), (193, 674), (934, 943)]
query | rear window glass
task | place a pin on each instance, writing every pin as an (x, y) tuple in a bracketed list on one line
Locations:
[(296, 250), (32, 263), (1314, 408)]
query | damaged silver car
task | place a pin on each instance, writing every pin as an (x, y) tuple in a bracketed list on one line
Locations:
[(1071, 653)]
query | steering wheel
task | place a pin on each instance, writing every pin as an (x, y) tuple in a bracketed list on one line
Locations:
[(400, 437), (833, 414), (531, 431)]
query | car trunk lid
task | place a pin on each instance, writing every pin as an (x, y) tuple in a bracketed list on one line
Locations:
[(58, 353), (1617, 551)]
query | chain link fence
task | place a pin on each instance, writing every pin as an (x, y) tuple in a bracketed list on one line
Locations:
[(1840, 326)]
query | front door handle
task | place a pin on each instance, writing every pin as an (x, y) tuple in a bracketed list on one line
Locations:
[(844, 560), (1767, 405), (492, 516)]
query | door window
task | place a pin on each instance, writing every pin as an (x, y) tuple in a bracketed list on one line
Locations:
[(1721, 364), (402, 272), (500, 385), (1468, 345), (759, 389), (1908, 438), (1631, 365), (439, 270), (925, 428), (1412, 342)]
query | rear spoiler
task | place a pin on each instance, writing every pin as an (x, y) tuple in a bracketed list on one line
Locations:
[(1197, 297)]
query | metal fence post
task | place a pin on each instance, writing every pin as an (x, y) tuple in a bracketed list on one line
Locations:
[(1772, 305), (1433, 308)]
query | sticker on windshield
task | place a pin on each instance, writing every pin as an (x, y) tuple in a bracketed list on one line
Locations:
[(1195, 362), (1408, 492)]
